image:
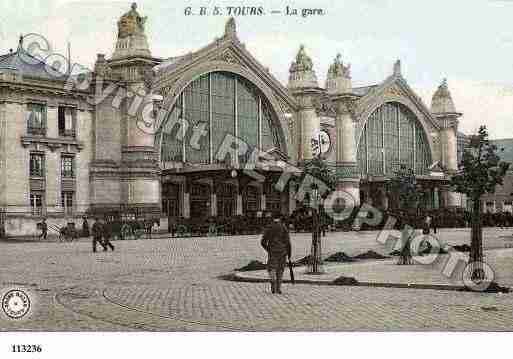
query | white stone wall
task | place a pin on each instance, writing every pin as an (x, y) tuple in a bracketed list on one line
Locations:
[(310, 124), (17, 159), (82, 160), (450, 149), (105, 191), (3, 169), (53, 182), (346, 144), (137, 137), (107, 132), (142, 191)]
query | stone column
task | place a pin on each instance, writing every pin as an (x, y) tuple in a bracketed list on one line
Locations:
[(450, 159), (309, 122), (442, 107), (186, 203), (53, 179), (348, 176)]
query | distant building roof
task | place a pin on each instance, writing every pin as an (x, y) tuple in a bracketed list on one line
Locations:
[(363, 90), (27, 65)]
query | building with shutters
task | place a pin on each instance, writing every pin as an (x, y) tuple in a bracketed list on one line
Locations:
[(182, 135)]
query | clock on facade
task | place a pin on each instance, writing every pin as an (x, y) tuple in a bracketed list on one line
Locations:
[(321, 142)]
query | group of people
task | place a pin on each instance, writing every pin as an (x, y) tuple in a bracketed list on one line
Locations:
[(101, 233)]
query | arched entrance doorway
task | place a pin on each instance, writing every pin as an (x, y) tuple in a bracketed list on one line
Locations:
[(222, 105)]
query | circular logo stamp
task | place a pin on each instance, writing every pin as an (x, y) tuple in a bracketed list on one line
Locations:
[(16, 304)]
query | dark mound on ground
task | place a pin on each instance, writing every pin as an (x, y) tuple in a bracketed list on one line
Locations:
[(303, 261), (496, 288), (253, 265), (427, 248), (339, 257), (345, 281), (462, 248), (425, 251), (370, 255)]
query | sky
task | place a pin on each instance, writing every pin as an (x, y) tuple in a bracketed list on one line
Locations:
[(469, 42)]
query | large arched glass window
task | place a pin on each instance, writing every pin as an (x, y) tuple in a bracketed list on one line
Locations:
[(218, 104), (393, 137)]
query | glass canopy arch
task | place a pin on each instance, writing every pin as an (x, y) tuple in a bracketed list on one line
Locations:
[(219, 104), (391, 137)]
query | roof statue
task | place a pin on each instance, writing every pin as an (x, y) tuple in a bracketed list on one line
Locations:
[(132, 39), (442, 100), (230, 29), (339, 77), (131, 23), (337, 68)]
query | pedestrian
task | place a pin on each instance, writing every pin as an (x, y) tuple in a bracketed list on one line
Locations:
[(276, 241), (434, 223), (44, 229), (171, 225), (427, 224), (85, 228), (97, 231), (107, 234)]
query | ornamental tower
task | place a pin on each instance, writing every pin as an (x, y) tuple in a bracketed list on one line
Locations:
[(447, 117), (125, 168), (339, 88), (304, 87)]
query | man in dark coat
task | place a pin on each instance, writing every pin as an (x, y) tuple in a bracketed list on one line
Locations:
[(97, 230), (108, 229), (276, 241), (44, 229), (85, 228)]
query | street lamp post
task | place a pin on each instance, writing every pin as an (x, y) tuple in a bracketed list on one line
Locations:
[(316, 252)]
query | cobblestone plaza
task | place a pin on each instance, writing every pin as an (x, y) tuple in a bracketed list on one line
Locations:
[(174, 284)]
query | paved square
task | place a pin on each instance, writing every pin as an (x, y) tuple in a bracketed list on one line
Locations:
[(173, 285)]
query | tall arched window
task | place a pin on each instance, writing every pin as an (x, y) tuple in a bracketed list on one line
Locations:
[(219, 104), (393, 137)]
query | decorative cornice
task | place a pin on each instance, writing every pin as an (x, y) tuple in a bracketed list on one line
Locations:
[(51, 143)]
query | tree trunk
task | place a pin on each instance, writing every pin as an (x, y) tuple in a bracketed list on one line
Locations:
[(476, 243)]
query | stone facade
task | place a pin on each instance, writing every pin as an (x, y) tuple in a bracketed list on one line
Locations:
[(115, 140)]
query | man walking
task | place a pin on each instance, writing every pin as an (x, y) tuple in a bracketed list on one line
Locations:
[(276, 241), (44, 229), (97, 231), (107, 234)]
